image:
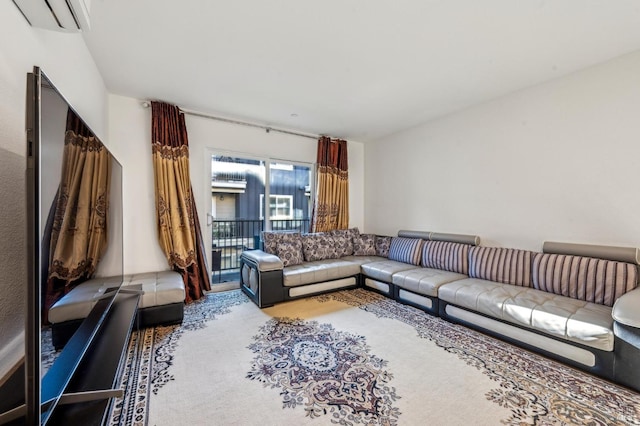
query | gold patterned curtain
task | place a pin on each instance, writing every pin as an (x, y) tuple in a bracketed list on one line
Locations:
[(331, 206), (79, 225), (178, 226)]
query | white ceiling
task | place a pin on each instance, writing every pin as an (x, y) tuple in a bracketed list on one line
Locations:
[(357, 69)]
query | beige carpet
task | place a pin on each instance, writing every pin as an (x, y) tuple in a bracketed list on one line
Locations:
[(352, 358)]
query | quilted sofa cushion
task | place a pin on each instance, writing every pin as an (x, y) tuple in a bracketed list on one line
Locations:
[(584, 278), (425, 281), (319, 271), (447, 256), (578, 321), (361, 260), (406, 250), (504, 265), (384, 270), (160, 288)]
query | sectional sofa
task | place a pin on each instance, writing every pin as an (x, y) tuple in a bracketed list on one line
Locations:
[(572, 302)]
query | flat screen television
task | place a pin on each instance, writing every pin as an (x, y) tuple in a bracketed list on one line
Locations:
[(47, 126)]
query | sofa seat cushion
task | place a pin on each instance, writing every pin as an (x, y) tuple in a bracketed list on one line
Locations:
[(575, 320), (318, 271), (383, 270), (425, 281), (160, 288), (361, 260)]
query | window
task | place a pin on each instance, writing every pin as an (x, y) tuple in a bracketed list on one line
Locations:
[(280, 207), (239, 187)]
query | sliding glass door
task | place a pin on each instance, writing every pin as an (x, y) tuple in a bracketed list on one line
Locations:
[(289, 196), (240, 211)]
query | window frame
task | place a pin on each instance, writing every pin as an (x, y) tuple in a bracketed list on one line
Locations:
[(289, 198)]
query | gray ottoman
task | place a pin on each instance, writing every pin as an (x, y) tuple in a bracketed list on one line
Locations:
[(162, 302)]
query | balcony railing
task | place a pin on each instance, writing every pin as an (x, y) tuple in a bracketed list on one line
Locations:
[(231, 237)]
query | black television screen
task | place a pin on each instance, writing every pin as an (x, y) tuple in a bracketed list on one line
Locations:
[(60, 173)]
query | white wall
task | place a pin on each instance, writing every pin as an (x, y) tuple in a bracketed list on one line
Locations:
[(130, 140), (66, 61), (554, 162)]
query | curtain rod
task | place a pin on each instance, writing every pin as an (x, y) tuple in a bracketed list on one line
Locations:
[(268, 129)]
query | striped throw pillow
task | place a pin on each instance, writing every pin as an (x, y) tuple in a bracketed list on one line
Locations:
[(585, 278), (445, 255), (503, 265), (406, 250)]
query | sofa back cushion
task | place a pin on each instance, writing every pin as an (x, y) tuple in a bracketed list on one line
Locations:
[(318, 246), (585, 278), (447, 256), (364, 245), (503, 265), (383, 244), (290, 251), (272, 238), (407, 250), (343, 239)]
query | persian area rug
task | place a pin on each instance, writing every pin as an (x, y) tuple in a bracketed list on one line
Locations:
[(349, 358)]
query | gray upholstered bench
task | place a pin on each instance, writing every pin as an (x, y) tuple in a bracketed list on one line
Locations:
[(162, 302)]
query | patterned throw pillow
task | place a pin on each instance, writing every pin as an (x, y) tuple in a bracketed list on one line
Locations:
[(407, 250), (290, 252), (382, 246), (270, 242), (272, 238), (343, 240), (318, 246), (364, 245)]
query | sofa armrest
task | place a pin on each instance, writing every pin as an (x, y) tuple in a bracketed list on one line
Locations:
[(626, 327), (626, 310), (263, 262), (261, 277)]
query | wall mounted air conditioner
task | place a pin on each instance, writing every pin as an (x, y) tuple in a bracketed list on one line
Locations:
[(58, 15)]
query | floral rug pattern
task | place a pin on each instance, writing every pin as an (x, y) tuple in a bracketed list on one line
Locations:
[(536, 390), (150, 356), (330, 372)]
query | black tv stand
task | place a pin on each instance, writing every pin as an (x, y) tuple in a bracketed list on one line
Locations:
[(80, 386), (100, 368)]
